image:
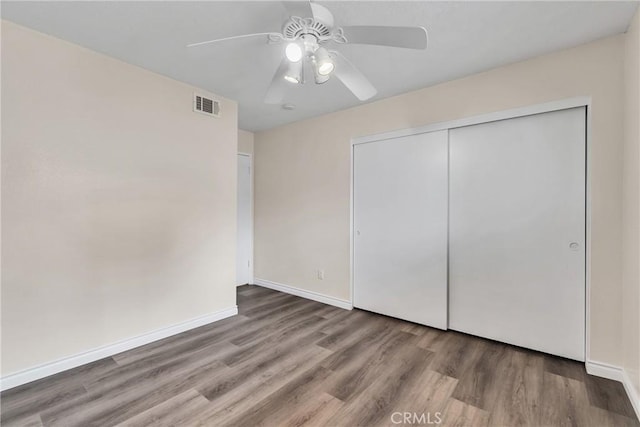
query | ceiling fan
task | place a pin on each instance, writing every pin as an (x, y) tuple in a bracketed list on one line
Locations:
[(308, 32)]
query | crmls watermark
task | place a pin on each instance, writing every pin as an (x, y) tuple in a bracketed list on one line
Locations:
[(414, 418)]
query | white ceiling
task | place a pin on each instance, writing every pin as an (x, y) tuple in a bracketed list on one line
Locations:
[(464, 38)]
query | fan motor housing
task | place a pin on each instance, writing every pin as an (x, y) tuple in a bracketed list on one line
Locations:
[(296, 27)]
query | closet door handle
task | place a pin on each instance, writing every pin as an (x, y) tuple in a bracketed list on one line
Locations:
[(574, 246)]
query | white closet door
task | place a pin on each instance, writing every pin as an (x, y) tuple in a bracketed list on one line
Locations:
[(245, 228), (517, 231), (400, 228)]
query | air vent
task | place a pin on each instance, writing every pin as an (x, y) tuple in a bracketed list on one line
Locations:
[(204, 105)]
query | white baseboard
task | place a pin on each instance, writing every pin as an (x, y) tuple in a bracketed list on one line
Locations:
[(325, 299), (632, 392), (44, 370), (604, 370), (616, 373)]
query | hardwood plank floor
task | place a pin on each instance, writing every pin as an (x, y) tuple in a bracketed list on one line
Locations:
[(287, 361)]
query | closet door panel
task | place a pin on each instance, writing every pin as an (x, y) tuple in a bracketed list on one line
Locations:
[(517, 231), (400, 227)]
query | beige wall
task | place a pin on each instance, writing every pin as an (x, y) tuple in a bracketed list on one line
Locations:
[(303, 172), (631, 206), (245, 142), (118, 202)]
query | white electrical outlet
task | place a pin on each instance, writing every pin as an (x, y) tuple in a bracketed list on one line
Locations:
[(320, 274)]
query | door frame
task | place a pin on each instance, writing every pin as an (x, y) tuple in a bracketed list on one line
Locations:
[(547, 107), (251, 226)]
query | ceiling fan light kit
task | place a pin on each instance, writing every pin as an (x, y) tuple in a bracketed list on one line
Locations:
[(320, 78), (295, 72), (305, 37), (323, 61), (293, 52), (306, 48)]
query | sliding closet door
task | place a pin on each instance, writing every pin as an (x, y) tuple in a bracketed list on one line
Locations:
[(517, 231), (400, 228)]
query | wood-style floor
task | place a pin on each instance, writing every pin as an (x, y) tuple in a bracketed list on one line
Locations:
[(287, 361)]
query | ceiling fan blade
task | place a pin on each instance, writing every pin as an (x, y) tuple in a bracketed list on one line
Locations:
[(300, 8), (407, 37), (231, 38), (275, 93), (352, 78)]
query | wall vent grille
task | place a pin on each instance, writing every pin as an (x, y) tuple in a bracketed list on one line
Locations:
[(204, 105)]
